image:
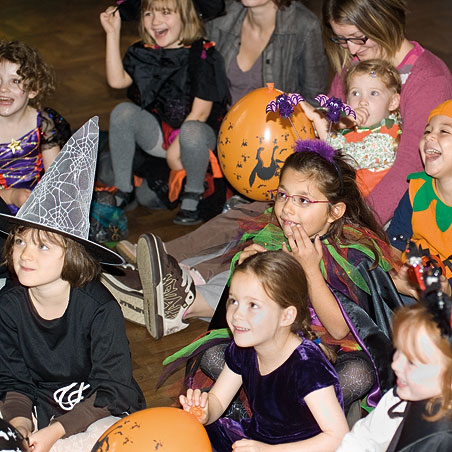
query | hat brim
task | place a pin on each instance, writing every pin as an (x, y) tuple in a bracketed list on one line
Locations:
[(103, 254)]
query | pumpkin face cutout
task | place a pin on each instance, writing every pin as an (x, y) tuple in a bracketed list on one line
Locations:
[(164, 429), (253, 145)]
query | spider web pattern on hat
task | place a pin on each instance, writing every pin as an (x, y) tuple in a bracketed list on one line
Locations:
[(62, 199)]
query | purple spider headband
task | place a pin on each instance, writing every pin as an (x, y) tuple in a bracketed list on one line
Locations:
[(285, 103)]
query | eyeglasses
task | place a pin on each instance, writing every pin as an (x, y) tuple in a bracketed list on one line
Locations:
[(343, 41), (300, 201)]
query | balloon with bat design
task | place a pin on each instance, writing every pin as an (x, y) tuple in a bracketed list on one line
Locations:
[(255, 139), (165, 429)]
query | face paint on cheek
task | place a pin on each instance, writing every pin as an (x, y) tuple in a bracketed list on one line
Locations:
[(258, 318)]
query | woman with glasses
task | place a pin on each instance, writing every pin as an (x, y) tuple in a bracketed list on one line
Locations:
[(360, 30)]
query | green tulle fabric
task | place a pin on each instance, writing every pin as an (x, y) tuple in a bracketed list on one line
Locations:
[(272, 237)]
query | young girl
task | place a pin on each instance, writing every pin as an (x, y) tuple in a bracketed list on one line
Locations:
[(372, 89), (293, 390), (30, 138), (423, 214), (321, 217), (65, 361), (179, 89), (417, 415)]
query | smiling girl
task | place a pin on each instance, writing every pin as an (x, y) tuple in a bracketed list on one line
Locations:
[(424, 213), (293, 390), (29, 136), (417, 415), (179, 91)]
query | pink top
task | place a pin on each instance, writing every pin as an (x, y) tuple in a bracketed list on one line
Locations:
[(427, 82)]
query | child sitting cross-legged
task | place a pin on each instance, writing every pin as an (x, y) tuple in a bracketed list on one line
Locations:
[(65, 363), (293, 390)]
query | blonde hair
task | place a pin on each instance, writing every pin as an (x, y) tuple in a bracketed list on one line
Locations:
[(407, 322), (382, 69), (192, 27), (382, 21)]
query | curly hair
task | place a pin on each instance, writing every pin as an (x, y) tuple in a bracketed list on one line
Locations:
[(35, 74), (79, 267), (284, 281)]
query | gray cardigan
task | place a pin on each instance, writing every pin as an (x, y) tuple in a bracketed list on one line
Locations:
[(294, 59)]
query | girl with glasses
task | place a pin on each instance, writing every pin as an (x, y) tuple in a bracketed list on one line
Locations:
[(360, 30)]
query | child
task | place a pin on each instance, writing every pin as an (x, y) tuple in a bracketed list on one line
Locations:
[(30, 138), (424, 213), (319, 212), (293, 390), (373, 91), (64, 354), (417, 415), (179, 89)]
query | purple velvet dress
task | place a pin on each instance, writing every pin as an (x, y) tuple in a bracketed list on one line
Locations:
[(21, 163), (279, 411)]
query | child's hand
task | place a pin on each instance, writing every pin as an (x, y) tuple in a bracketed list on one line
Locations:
[(362, 115), (44, 439), (196, 403), (249, 445), (403, 282), (16, 196), (250, 251), (308, 254), (110, 20), (321, 124), (445, 285)]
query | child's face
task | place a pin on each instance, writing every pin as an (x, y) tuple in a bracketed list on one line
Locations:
[(252, 316), (417, 380), (314, 217), (436, 147), (13, 98), (37, 264), (164, 25), (371, 94)]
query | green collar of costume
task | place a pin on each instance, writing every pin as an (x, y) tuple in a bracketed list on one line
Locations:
[(272, 237), (389, 122), (425, 196)]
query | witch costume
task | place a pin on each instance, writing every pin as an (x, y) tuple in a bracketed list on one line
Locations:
[(74, 369)]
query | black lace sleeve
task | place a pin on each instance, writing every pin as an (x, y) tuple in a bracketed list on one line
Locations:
[(54, 129)]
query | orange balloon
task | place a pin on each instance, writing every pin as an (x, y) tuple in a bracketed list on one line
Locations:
[(253, 145), (163, 429)]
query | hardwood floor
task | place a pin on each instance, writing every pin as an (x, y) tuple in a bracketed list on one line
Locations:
[(70, 37)]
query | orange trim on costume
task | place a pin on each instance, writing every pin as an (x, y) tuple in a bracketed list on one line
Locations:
[(176, 178), (367, 180)]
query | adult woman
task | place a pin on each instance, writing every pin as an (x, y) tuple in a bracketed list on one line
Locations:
[(358, 30), (270, 41)]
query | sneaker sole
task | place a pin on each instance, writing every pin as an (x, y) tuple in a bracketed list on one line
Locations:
[(150, 273), (130, 301)]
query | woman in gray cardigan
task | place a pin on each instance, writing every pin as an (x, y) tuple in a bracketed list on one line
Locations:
[(277, 41), (261, 41)]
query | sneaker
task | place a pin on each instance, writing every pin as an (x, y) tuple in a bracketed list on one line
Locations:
[(127, 250), (187, 217), (124, 284), (168, 290)]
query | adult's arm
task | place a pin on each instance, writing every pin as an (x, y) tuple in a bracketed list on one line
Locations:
[(418, 98)]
